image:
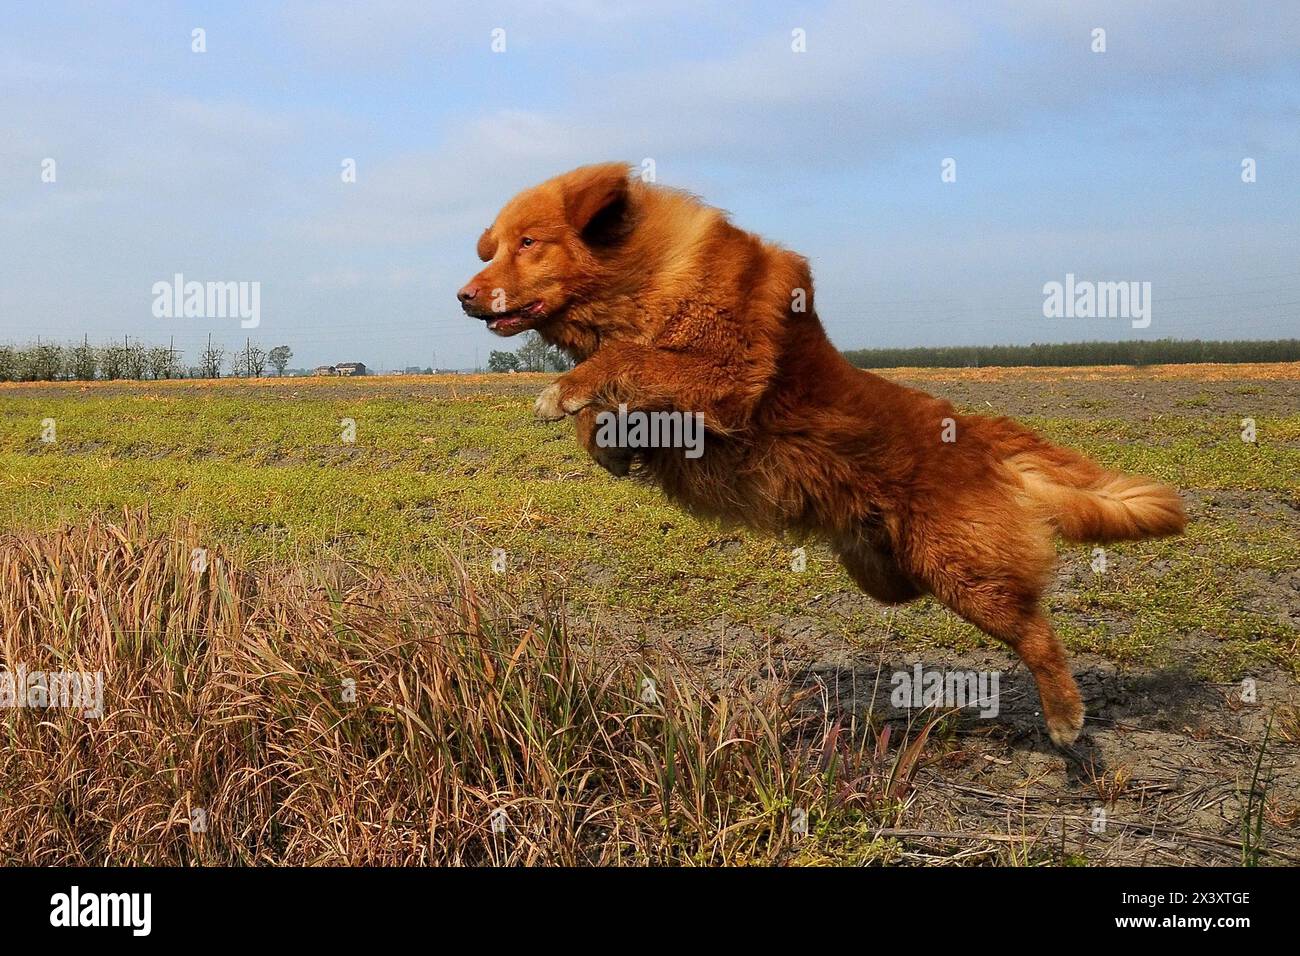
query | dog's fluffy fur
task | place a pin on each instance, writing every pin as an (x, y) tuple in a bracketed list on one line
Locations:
[(665, 305)]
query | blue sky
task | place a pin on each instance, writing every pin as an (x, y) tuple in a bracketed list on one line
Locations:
[(225, 165)]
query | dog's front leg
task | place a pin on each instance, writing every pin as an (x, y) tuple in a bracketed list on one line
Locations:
[(612, 376), (574, 394), (644, 378)]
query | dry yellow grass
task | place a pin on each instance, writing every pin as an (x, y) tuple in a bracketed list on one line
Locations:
[(230, 735)]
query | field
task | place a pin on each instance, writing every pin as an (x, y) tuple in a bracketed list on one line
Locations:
[(1186, 650)]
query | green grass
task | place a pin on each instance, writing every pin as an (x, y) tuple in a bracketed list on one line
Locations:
[(433, 473)]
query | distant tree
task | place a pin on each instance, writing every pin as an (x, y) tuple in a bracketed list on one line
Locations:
[(8, 364), (112, 362), (43, 363), (254, 360), (557, 360), (137, 362), (248, 362), (503, 362), (210, 360), (23, 365), (83, 362), (535, 355), (279, 358), (163, 362)]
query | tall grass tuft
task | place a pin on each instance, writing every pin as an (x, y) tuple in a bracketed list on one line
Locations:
[(331, 714)]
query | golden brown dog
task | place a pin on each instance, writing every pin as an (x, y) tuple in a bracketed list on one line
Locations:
[(666, 306)]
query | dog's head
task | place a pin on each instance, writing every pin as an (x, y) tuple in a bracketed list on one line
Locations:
[(543, 251)]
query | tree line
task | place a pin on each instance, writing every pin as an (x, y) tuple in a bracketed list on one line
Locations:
[(51, 361), (1134, 352), (534, 355)]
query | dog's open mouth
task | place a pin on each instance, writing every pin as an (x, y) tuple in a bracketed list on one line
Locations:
[(516, 320)]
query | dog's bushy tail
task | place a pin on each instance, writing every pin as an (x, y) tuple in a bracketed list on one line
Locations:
[(1087, 503)]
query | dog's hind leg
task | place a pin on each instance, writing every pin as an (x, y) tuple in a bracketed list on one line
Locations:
[(1030, 635), (992, 572)]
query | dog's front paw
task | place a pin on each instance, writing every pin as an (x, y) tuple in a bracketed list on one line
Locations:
[(547, 407), (552, 405)]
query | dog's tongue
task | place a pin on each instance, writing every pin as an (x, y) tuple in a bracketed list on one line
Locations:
[(515, 318)]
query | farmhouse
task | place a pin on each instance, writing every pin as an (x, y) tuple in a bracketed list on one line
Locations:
[(343, 368)]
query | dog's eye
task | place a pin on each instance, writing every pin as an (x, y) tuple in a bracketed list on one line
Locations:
[(526, 241)]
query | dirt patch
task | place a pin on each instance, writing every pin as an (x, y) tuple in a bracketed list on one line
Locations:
[(1161, 776)]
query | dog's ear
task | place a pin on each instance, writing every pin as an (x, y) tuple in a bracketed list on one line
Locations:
[(487, 246), (596, 201)]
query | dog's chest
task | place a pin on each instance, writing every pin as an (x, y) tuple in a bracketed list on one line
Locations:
[(726, 483)]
